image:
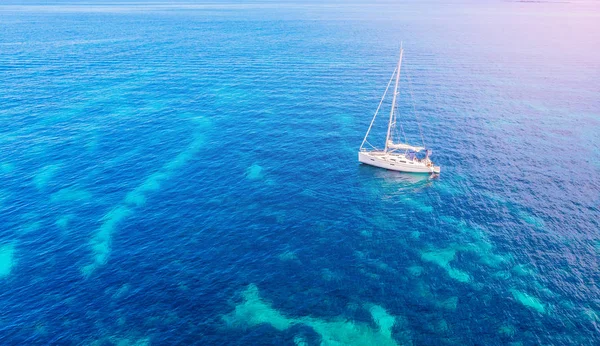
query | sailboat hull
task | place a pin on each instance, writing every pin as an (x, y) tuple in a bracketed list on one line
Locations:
[(396, 162)]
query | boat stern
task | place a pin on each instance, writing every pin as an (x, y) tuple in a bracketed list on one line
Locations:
[(436, 169)]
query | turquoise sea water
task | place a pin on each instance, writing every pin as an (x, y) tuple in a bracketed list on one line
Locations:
[(187, 174)]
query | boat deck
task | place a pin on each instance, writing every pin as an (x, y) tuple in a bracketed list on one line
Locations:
[(397, 162)]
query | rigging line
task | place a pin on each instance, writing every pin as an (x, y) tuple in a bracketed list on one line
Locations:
[(414, 108), (377, 111), (372, 146), (401, 127)]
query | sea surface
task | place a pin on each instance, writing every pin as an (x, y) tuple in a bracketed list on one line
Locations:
[(186, 173)]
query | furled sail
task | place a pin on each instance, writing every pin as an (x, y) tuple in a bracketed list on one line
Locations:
[(402, 146)]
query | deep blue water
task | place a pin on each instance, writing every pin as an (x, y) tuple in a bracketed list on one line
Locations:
[(187, 174)]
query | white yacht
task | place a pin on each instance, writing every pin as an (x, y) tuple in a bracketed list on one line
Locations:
[(396, 155)]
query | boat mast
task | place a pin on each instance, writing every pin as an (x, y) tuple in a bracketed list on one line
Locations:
[(389, 131)]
